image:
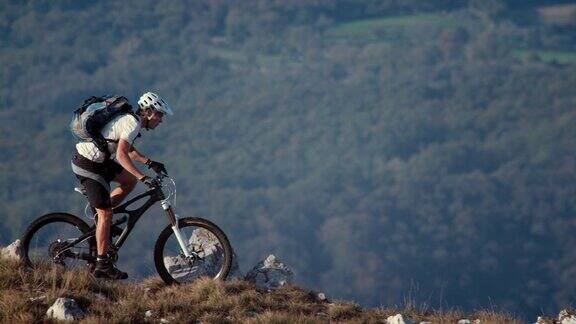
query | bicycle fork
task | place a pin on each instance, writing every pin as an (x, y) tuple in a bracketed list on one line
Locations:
[(173, 218)]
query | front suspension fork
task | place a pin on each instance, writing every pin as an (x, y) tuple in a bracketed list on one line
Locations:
[(180, 237)]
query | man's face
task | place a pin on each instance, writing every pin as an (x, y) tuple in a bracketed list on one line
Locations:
[(155, 118)]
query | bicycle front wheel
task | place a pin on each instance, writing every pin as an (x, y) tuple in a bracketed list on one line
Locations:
[(47, 242), (210, 250)]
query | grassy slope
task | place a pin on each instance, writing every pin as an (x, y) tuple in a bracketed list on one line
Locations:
[(563, 57), (204, 300), (367, 29)]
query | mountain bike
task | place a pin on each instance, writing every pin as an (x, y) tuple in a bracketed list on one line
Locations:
[(185, 250)]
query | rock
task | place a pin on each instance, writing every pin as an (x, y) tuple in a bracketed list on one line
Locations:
[(270, 274), (37, 299), (397, 319), (12, 251), (163, 320), (321, 297), (202, 239), (208, 248), (565, 318), (100, 296), (425, 322), (65, 309), (569, 320), (464, 321), (148, 313), (540, 320)]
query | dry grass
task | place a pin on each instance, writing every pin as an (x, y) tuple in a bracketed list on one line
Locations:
[(26, 294)]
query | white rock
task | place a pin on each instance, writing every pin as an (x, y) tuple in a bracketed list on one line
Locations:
[(565, 318), (148, 313), (12, 251), (464, 321), (163, 320), (100, 296), (397, 319), (37, 299), (209, 249), (321, 297), (540, 320), (270, 274), (569, 320), (65, 309)]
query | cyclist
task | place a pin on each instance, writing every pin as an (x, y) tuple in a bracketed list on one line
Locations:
[(95, 170)]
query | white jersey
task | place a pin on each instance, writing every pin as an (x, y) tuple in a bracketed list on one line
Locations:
[(124, 127)]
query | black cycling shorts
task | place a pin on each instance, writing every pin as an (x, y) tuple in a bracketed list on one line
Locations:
[(96, 190)]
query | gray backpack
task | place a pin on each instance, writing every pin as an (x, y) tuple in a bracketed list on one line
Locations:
[(94, 114)]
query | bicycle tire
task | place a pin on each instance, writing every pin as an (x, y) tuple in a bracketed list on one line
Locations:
[(48, 219), (189, 222)]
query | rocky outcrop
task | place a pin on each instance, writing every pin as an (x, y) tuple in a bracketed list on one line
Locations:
[(397, 319), (12, 251), (270, 274), (65, 309), (565, 318), (204, 241), (208, 248)]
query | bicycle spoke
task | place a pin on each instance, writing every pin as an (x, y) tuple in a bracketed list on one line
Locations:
[(207, 255), (48, 246)]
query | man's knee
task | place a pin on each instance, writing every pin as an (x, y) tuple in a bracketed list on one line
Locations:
[(131, 184), (128, 183), (104, 213)]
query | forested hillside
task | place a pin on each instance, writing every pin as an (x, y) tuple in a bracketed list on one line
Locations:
[(386, 150)]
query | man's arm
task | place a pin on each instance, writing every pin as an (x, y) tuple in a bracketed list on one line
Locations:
[(157, 167), (123, 155), (137, 156)]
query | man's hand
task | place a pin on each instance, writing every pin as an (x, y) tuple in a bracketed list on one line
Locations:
[(157, 167), (150, 182)]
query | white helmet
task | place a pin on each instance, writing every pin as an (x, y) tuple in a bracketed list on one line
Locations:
[(152, 100)]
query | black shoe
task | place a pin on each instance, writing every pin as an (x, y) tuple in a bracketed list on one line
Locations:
[(106, 269)]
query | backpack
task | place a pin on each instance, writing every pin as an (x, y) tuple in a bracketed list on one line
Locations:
[(93, 115)]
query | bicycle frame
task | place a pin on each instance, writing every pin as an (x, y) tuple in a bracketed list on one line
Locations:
[(134, 215)]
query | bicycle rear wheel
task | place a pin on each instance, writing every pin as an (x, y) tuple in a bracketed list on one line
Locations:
[(46, 241), (209, 246)]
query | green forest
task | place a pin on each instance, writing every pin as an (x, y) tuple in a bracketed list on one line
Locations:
[(389, 151)]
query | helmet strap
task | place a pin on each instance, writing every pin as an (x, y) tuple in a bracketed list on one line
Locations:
[(146, 118)]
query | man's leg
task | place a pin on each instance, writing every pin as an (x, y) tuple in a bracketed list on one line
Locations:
[(127, 183), (104, 263), (103, 230)]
